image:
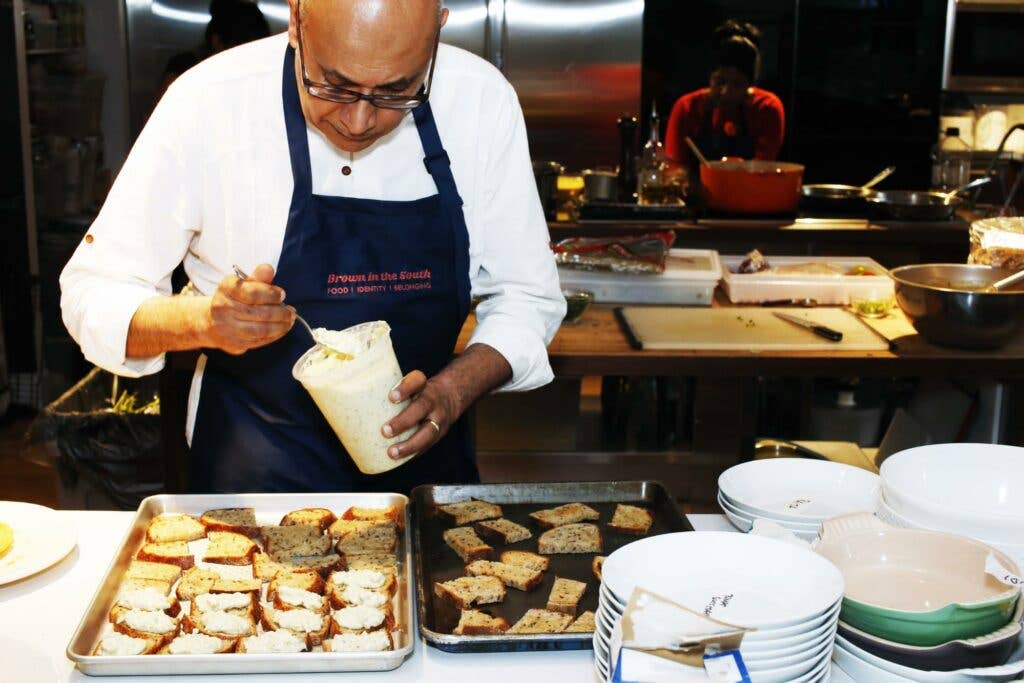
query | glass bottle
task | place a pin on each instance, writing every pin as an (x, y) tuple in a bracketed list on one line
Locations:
[(660, 179)]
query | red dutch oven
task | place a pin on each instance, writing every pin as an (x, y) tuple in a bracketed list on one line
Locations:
[(751, 187)]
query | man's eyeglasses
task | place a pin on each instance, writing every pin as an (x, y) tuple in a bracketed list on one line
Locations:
[(336, 93)]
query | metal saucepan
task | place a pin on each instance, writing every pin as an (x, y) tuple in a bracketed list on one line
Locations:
[(949, 305), (840, 197), (911, 205), (751, 187)]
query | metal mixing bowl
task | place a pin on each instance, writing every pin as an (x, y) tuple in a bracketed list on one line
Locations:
[(942, 301)]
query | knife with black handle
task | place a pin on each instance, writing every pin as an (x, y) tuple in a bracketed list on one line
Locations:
[(820, 330)]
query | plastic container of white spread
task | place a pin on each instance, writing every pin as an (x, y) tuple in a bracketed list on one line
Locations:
[(351, 390)]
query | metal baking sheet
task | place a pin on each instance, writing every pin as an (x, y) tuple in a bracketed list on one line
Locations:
[(435, 561), (270, 507)]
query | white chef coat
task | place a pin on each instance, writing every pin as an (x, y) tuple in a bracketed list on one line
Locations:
[(209, 183)]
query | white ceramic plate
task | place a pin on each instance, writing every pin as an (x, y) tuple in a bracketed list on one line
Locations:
[(799, 490), (976, 488), (760, 640), (41, 539), (737, 578), (877, 668), (744, 521)]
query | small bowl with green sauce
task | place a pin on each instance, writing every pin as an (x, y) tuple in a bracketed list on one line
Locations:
[(873, 306), (576, 301)]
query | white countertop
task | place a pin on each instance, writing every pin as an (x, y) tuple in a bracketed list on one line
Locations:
[(39, 614)]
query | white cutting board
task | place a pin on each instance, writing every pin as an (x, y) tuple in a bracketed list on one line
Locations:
[(745, 329)]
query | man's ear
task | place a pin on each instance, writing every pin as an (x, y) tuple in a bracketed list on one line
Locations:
[(293, 36), (444, 17)]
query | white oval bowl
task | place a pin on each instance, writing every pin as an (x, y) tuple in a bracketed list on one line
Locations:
[(763, 582), (978, 488), (773, 489)]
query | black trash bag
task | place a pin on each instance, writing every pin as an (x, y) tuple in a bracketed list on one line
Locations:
[(114, 451)]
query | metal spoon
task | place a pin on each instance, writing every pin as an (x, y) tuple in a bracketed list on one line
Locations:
[(316, 340), (696, 151), (1005, 282), (977, 182)]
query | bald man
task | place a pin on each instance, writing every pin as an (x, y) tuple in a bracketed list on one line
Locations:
[(358, 170)]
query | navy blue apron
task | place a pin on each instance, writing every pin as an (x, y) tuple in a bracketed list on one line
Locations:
[(344, 261), (716, 144)]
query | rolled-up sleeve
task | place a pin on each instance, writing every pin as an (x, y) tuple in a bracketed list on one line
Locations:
[(522, 304), (139, 237)]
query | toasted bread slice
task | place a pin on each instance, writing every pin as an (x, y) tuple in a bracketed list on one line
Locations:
[(630, 519), (223, 585), (361, 619), (173, 552), (218, 624), (342, 596), (139, 584), (144, 599), (596, 565), (570, 538), (157, 571), (114, 644), (303, 623), (266, 568), (469, 511), (524, 558), (566, 595), (464, 541), (541, 621), (199, 644), (476, 623), (291, 597), (513, 576), (502, 531), (386, 563), (228, 547), (238, 520), (361, 536), (174, 527), (372, 579), (570, 513), (297, 540), (145, 624), (245, 605), (304, 580), (394, 513), (585, 623), (370, 641), (272, 642), (470, 591), (196, 581), (318, 518)]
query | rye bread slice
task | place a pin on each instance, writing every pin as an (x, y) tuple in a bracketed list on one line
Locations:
[(630, 519), (502, 531), (585, 623), (239, 520), (317, 518), (464, 541), (172, 552), (570, 538), (566, 595), (477, 623), (570, 513), (469, 591), (524, 558), (513, 576), (469, 511), (541, 621)]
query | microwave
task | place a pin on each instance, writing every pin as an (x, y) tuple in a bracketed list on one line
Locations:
[(983, 50)]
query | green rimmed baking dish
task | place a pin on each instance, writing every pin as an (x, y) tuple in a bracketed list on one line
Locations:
[(913, 586)]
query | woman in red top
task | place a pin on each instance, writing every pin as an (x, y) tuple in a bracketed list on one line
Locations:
[(730, 118)]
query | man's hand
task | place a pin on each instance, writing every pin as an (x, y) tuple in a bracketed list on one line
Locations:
[(247, 314), (241, 315), (436, 403)]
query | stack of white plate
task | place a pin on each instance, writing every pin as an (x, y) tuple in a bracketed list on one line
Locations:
[(791, 596), (795, 493), (975, 490)]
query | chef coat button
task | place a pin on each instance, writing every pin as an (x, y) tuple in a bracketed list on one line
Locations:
[(346, 170), (88, 239)]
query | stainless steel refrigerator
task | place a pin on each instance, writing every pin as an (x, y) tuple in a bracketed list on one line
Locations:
[(574, 63)]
